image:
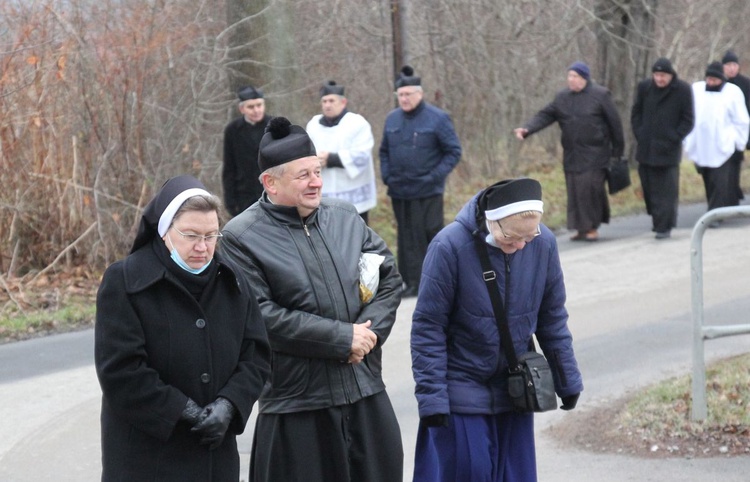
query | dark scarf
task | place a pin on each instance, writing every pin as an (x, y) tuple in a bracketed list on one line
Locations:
[(716, 88), (332, 122)]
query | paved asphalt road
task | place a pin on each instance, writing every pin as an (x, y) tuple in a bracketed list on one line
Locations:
[(630, 313)]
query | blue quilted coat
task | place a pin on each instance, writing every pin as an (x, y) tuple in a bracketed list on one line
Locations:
[(457, 359)]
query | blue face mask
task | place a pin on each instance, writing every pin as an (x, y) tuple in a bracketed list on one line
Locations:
[(181, 262), (490, 239)]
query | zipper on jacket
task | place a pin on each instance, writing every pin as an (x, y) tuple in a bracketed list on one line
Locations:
[(304, 226), (507, 279)]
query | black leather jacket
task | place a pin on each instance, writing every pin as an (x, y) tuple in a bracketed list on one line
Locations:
[(306, 277)]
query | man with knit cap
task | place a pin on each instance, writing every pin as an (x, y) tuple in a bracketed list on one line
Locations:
[(468, 429), (344, 144), (324, 414), (592, 137), (731, 65), (722, 126), (242, 136), (661, 116), (418, 151)]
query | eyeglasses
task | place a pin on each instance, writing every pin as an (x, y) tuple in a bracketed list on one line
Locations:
[(518, 239), (209, 239)]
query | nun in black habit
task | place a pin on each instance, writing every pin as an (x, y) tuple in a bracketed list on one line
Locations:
[(181, 352)]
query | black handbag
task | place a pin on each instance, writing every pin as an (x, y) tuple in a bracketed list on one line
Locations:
[(531, 387), (618, 175)]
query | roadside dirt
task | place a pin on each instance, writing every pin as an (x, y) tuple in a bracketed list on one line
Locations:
[(596, 430)]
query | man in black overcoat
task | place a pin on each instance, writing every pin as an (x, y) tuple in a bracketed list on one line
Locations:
[(242, 137), (661, 117), (731, 65)]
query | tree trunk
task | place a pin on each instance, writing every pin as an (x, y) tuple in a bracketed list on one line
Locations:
[(625, 50), (246, 55)]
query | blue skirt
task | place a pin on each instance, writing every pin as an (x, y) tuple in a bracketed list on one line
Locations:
[(477, 448)]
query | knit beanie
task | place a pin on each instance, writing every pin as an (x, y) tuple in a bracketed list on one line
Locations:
[(663, 65), (581, 69), (730, 57), (715, 69)]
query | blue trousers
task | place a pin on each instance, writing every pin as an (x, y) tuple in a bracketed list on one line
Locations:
[(477, 448)]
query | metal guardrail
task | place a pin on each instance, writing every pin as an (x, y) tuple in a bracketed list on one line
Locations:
[(702, 333)]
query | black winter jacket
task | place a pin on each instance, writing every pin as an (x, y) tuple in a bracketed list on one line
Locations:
[(591, 127), (306, 277), (661, 118)]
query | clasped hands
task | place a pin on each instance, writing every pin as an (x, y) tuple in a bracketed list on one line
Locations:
[(363, 341), (210, 422)]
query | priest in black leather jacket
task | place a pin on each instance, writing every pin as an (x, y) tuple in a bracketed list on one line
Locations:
[(324, 413)]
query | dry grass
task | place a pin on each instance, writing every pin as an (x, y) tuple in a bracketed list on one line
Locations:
[(656, 422)]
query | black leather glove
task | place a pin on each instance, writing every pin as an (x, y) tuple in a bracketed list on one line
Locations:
[(569, 402), (437, 420), (192, 412), (214, 422)]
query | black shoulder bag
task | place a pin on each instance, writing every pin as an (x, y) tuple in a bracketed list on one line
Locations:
[(530, 384)]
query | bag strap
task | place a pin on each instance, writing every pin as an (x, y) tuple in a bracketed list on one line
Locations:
[(490, 277)]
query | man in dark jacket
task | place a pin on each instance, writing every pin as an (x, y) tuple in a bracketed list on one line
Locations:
[(661, 117), (591, 136), (241, 140), (418, 151), (324, 415), (731, 65)]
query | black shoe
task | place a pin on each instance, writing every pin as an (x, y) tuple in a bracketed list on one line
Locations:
[(409, 292), (662, 235)]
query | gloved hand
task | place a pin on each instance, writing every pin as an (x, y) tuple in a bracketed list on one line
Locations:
[(214, 422), (192, 412), (436, 420), (569, 402)]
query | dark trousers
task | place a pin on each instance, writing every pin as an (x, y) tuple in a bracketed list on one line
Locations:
[(721, 189), (661, 191), (419, 220), (736, 161)]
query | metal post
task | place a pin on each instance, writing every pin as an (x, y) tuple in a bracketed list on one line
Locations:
[(699, 410)]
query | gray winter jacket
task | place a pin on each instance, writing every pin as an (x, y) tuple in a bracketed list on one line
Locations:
[(305, 275)]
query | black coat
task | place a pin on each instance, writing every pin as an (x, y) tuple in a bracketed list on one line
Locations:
[(743, 82), (661, 118), (240, 172), (591, 127), (155, 346)]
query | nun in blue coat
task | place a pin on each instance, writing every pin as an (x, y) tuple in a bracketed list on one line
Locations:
[(468, 430)]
